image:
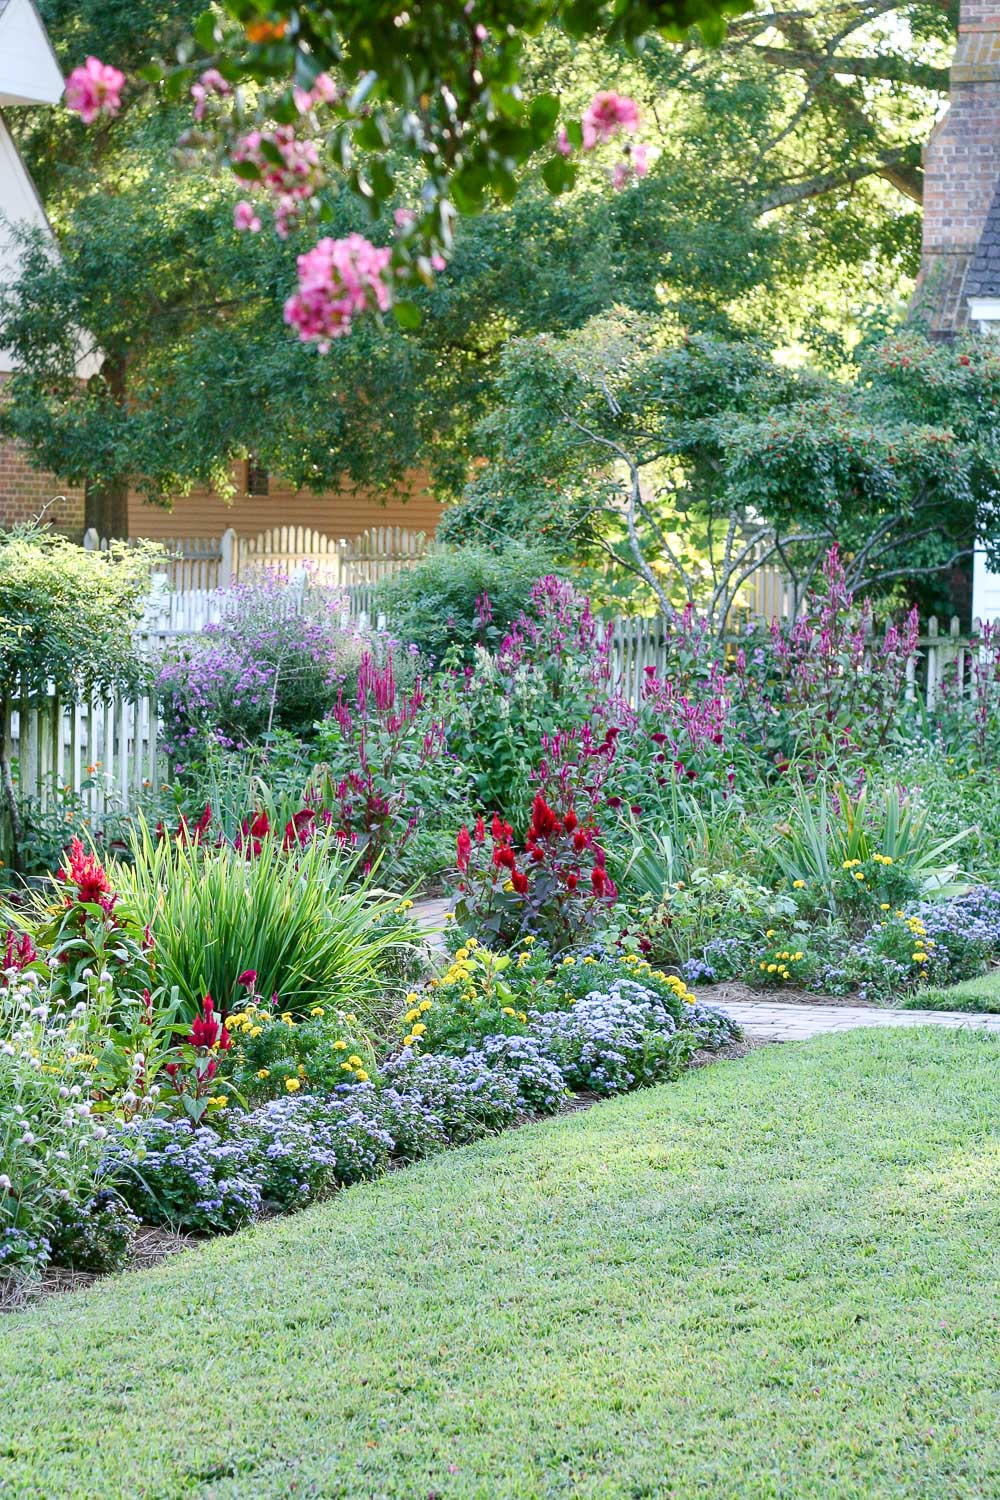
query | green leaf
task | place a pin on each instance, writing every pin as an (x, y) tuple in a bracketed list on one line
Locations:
[(205, 33), (408, 314), (558, 174), (247, 170), (543, 113)]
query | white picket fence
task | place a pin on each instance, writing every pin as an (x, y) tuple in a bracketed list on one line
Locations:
[(640, 643), (105, 752), (199, 565)]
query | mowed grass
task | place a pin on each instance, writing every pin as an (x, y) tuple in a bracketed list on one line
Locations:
[(778, 1277), (980, 994)]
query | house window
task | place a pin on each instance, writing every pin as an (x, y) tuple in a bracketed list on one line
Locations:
[(258, 479), (985, 311)]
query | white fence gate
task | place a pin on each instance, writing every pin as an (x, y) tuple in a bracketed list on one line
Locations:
[(197, 565)]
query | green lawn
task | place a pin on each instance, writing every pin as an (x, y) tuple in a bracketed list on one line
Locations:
[(778, 1277), (980, 994)]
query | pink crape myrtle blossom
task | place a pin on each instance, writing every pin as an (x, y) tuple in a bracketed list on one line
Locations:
[(245, 217), (94, 89), (605, 115), (323, 91), (293, 180), (338, 279), (210, 82), (563, 143)]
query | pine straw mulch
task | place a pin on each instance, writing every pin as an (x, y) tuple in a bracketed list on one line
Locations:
[(152, 1245)]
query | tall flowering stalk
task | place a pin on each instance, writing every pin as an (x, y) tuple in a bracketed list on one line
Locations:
[(837, 682), (383, 742)]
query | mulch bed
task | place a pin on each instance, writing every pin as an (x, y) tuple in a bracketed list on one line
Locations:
[(152, 1245), (737, 992)]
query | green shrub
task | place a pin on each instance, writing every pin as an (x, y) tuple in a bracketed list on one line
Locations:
[(433, 605)]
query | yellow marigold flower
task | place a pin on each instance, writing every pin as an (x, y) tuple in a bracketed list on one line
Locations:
[(407, 1042), (425, 1005), (361, 1076), (920, 958), (317, 1010), (411, 1015), (529, 942), (631, 958), (219, 1100), (769, 932), (771, 968), (419, 1029), (472, 943), (508, 886), (256, 1030), (798, 885), (797, 956), (434, 984), (590, 959), (263, 1072), (449, 916), (568, 963), (355, 1060), (346, 1068), (522, 1015), (884, 906), (763, 964), (412, 998), (293, 1085), (508, 1010), (462, 954), (340, 1046)]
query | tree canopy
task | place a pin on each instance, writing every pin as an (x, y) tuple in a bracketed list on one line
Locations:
[(778, 204), (688, 464)]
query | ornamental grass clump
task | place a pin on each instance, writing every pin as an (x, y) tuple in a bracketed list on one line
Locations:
[(296, 917)]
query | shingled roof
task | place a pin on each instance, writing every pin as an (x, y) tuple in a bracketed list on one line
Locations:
[(983, 276)]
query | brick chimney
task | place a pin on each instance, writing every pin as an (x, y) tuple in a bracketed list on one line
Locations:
[(962, 176)]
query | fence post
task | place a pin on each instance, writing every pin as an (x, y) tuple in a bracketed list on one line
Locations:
[(227, 547), (91, 541)]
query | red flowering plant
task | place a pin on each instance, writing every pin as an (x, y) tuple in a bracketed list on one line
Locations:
[(92, 931), (193, 1070), (556, 886)]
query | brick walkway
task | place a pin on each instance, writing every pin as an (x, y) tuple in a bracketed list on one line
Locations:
[(794, 1023)]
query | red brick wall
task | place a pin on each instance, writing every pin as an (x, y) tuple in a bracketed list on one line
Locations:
[(24, 492), (961, 167)]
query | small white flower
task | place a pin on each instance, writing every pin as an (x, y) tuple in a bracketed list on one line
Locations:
[(64, 1092), (5, 1183)]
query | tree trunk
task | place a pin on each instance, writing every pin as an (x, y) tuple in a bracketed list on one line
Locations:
[(106, 509), (106, 501)]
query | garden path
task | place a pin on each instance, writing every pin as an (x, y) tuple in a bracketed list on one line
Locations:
[(769, 1020), (774, 1022)]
